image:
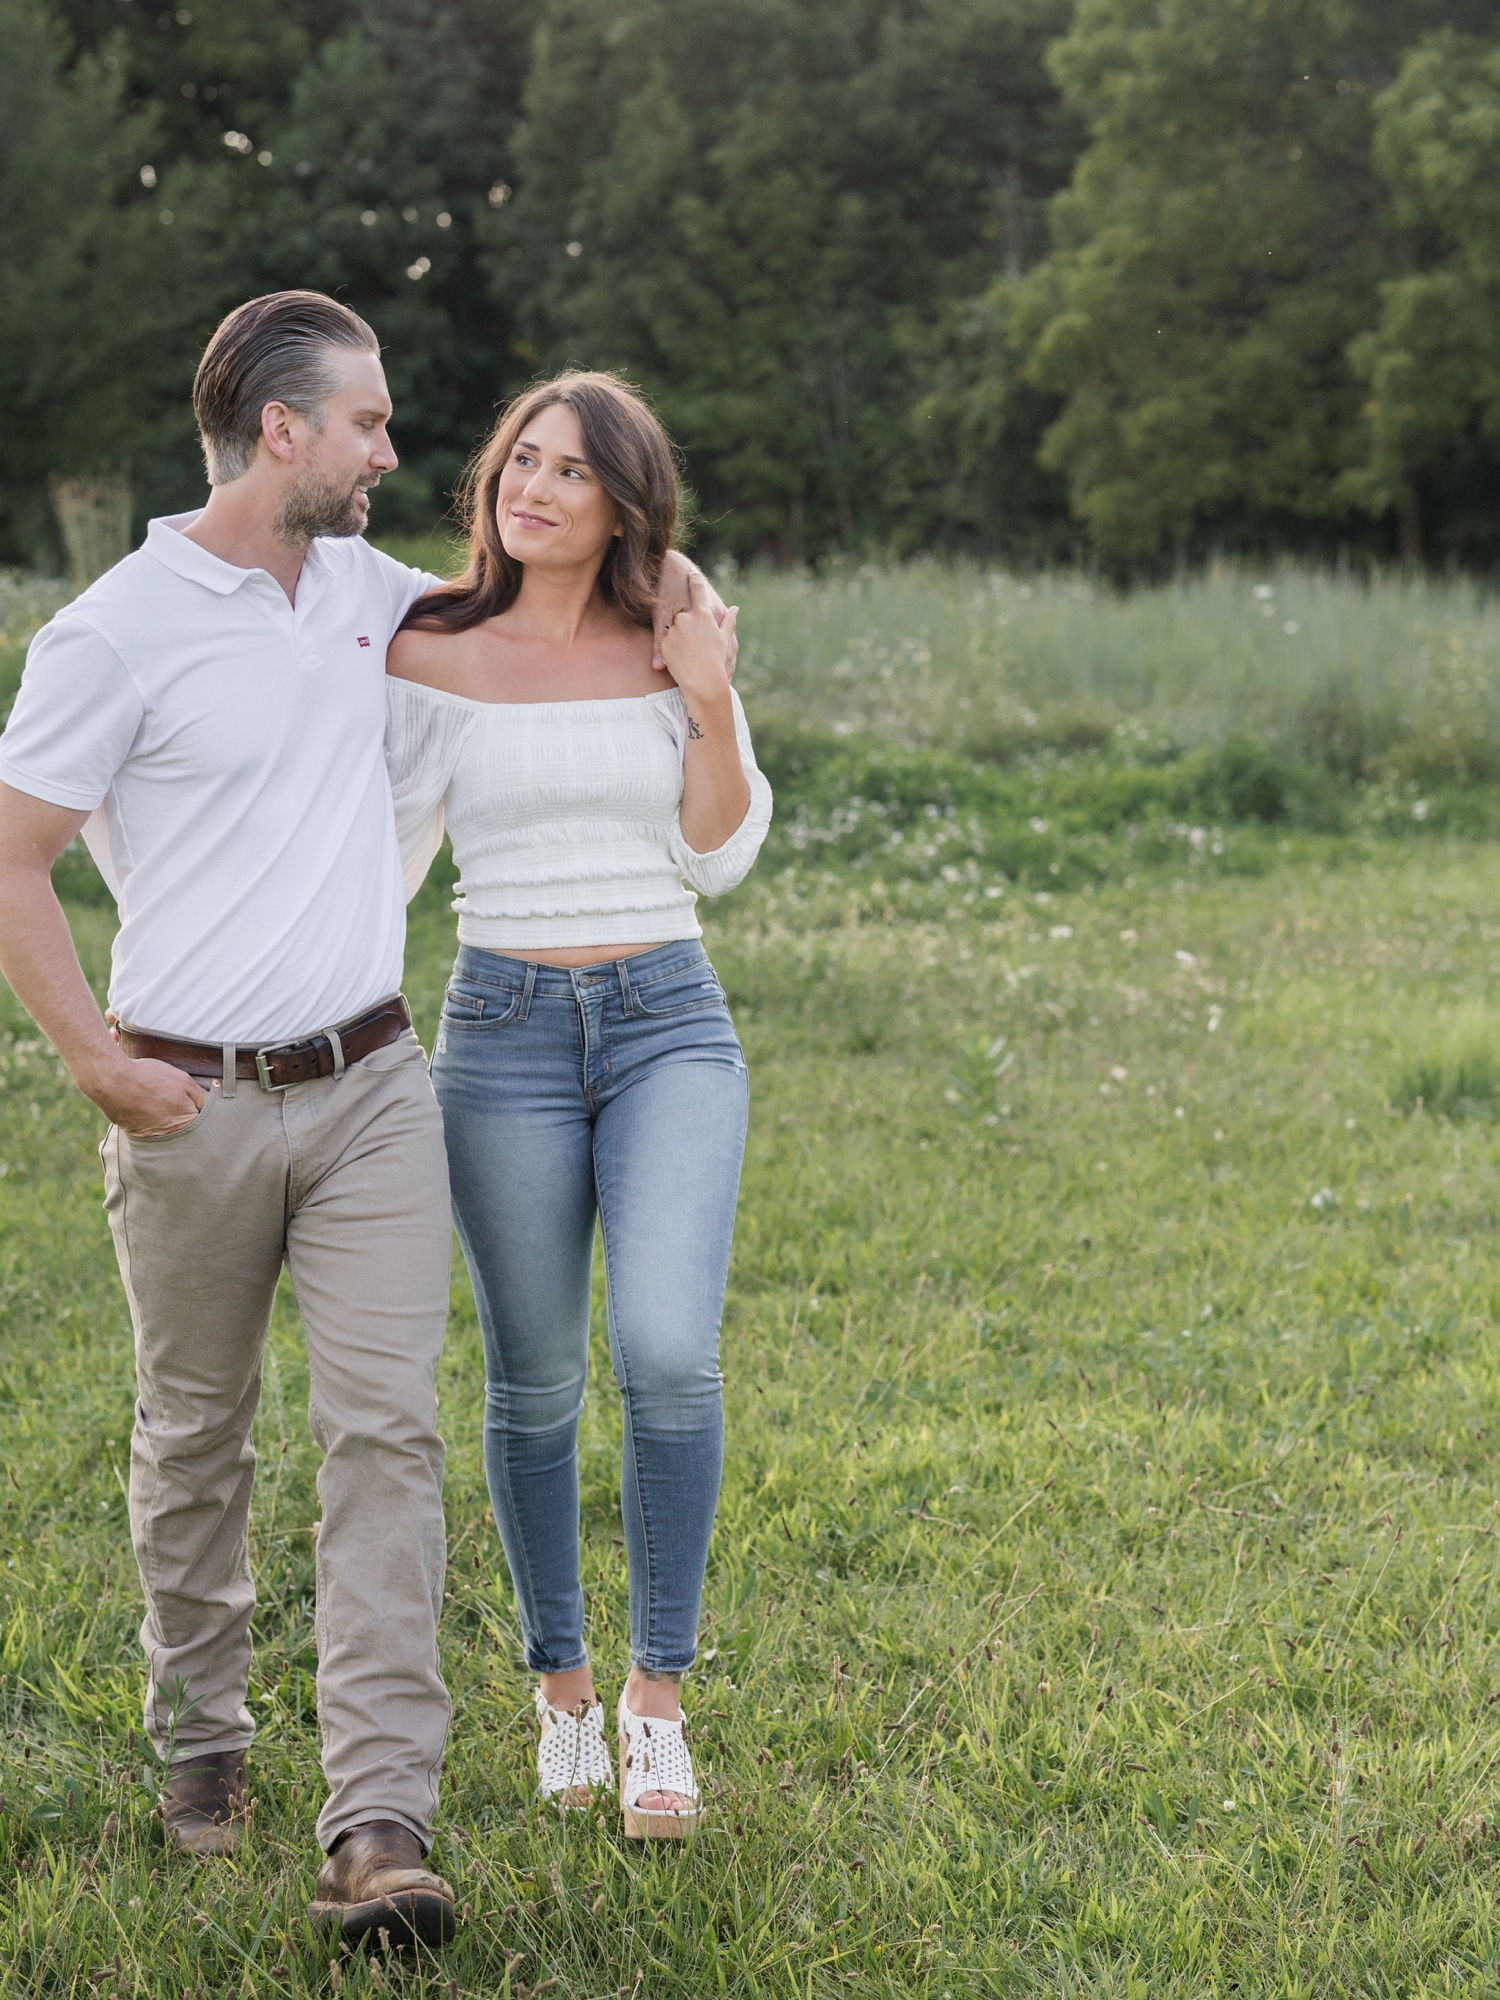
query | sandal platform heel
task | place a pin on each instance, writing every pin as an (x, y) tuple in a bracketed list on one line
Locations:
[(654, 1757)]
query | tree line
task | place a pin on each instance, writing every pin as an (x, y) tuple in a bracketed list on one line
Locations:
[(1123, 281)]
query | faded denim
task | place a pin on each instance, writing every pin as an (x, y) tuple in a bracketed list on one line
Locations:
[(616, 1090)]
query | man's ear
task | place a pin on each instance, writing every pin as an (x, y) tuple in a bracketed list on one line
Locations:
[(276, 428)]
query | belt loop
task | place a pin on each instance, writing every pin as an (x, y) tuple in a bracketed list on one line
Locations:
[(524, 1010), (229, 1075), (338, 1052), (627, 992)]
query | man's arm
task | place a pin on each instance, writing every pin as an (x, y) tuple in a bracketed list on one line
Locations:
[(674, 594), (37, 957)]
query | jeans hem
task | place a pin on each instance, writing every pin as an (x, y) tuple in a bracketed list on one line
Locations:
[(544, 1667), (653, 1666)]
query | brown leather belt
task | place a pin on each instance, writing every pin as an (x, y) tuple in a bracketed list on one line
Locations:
[(278, 1065)]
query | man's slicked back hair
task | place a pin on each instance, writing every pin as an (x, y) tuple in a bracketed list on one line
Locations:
[(278, 349)]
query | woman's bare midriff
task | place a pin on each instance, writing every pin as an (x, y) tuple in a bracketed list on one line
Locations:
[(572, 956)]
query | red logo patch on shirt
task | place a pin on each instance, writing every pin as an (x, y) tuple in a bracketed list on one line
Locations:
[(363, 641)]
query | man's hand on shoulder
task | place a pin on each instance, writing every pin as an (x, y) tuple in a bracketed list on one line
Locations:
[(674, 594)]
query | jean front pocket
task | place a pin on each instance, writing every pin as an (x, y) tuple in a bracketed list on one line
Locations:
[(687, 991), (469, 1003), (170, 1138)]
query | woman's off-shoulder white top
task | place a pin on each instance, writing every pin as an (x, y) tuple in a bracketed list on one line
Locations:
[(564, 815)]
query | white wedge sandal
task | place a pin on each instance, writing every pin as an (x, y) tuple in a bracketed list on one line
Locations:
[(572, 1755), (654, 1757)]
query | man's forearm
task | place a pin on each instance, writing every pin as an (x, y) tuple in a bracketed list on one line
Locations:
[(38, 958)]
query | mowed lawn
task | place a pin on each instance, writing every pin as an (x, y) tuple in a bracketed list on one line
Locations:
[(1104, 1595)]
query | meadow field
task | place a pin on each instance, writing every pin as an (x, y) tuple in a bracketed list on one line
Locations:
[(1106, 1586)]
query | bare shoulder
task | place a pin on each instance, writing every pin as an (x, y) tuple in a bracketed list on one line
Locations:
[(432, 659)]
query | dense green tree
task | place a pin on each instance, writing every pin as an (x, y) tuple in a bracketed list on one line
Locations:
[(350, 147), (80, 256), (765, 211), (205, 66), (1433, 359), (1220, 247), (1010, 276)]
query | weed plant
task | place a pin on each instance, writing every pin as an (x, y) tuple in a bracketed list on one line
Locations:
[(1451, 1068), (1104, 1593), (26, 603)]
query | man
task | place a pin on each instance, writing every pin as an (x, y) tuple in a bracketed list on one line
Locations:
[(211, 715)]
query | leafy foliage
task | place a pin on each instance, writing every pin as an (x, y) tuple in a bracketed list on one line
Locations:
[(1218, 250), (1433, 359), (764, 228), (1053, 278)]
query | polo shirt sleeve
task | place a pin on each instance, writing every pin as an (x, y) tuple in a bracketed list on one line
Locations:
[(403, 584), (75, 718)]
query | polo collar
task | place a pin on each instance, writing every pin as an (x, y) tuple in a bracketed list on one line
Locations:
[(166, 541), (327, 555)]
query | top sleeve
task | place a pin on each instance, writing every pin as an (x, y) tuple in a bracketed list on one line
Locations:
[(75, 719), (423, 737), (713, 874)]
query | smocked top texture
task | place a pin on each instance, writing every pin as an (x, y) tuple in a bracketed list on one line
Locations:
[(564, 815)]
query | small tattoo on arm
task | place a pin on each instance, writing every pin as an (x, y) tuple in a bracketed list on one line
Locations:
[(694, 731)]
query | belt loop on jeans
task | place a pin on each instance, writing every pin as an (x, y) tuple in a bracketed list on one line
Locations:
[(524, 1010), (627, 992), (229, 1076), (338, 1052)]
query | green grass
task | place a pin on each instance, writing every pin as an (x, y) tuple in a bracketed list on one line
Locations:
[(1104, 1596), (1453, 1072)]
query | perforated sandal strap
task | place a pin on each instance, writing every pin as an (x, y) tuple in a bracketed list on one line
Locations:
[(572, 1752), (657, 1758)]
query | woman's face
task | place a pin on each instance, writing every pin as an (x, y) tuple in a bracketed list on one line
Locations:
[(550, 509)]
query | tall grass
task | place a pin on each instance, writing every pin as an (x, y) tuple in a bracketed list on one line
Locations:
[(1451, 1067), (1397, 676), (1389, 678)]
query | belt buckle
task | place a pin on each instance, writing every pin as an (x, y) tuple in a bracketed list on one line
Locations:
[(263, 1068)]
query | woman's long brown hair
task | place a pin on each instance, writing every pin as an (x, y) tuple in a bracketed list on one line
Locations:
[(629, 454)]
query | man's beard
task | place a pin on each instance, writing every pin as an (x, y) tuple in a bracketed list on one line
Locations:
[(317, 505)]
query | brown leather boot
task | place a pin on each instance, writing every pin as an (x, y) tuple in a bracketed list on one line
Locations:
[(374, 1881), (203, 1803)]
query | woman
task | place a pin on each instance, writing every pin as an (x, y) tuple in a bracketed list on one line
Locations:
[(586, 1062)]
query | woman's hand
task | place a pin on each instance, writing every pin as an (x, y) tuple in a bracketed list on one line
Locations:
[(697, 651)]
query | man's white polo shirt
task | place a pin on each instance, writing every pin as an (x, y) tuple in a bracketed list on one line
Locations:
[(229, 748)]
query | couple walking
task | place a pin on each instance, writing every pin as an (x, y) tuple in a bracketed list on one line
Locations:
[(260, 724)]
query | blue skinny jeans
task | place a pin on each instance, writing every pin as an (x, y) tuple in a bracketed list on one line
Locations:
[(617, 1090)]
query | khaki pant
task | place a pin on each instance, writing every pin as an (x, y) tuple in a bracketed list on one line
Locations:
[(346, 1182)]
